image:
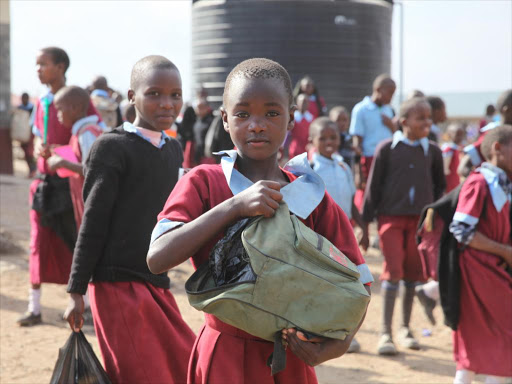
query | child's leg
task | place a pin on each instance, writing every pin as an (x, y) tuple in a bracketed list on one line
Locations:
[(463, 376), (407, 301), (389, 293)]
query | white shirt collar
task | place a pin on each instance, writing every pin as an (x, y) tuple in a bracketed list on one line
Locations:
[(492, 175), (298, 116), (129, 127), (93, 119), (302, 195), (399, 136)]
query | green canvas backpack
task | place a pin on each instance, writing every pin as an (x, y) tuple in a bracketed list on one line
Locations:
[(300, 280)]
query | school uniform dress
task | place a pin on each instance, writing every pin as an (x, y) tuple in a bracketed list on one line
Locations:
[(223, 353), (313, 106), (141, 333), (473, 150), (300, 133), (50, 256), (482, 342), (338, 180), (405, 176), (451, 150), (366, 121), (83, 134)]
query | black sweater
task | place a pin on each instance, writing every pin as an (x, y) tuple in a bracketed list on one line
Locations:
[(403, 180), (127, 181)]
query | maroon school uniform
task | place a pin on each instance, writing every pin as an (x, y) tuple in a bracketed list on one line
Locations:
[(300, 134), (223, 353), (483, 340), (452, 180), (50, 258)]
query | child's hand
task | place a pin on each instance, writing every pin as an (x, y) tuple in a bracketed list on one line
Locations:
[(262, 198), (42, 150), (388, 123), (364, 241), (315, 350), (54, 162), (74, 312)]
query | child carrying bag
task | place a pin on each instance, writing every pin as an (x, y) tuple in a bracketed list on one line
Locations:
[(268, 274)]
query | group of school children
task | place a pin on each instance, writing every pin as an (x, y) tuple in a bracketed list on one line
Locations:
[(142, 216)]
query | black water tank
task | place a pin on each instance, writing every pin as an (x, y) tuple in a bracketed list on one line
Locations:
[(343, 45)]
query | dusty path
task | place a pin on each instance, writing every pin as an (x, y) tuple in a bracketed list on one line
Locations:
[(28, 355)]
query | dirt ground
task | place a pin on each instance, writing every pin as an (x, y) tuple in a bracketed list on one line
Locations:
[(28, 355)]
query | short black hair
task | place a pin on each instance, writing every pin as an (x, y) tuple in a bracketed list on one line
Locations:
[(435, 102), (501, 134), (504, 100), (319, 124), (58, 56), (74, 96), (260, 68), (144, 65), (383, 80), (339, 109), (25, 94), (411, 104)]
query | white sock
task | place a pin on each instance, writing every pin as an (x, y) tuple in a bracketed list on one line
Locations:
[(431, 289), (463, 376), (34, 301), (497, 380), (86, 300)]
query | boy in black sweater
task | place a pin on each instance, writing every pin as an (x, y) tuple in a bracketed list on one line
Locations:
[(407, 174), (129, 174)]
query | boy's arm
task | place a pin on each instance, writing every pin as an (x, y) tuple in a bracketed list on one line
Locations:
[(176, 246), (483, 243), (438, 177), (375, 183), (364, 242)]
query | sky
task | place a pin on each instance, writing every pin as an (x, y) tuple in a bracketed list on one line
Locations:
[(449, 45)]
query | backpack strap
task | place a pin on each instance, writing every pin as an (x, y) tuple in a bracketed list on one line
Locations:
[(277, 359)]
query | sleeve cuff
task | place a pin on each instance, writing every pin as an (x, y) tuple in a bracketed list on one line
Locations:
[(465, 218), (365, 274), (164, 226), (79, 287)]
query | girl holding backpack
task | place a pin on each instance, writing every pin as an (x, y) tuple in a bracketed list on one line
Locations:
[(258, 113)]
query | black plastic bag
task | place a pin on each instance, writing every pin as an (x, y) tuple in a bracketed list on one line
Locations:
[(229, 262), (77, 363)]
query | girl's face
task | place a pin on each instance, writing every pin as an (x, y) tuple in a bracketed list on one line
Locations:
[(47, 70), (417, 125), (327, 141), (307, 86), (257, 114), (342, 121), (157, 99)]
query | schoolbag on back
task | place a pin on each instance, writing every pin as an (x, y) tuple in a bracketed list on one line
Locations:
[(285, 276), (107, 108), (439, 252)]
